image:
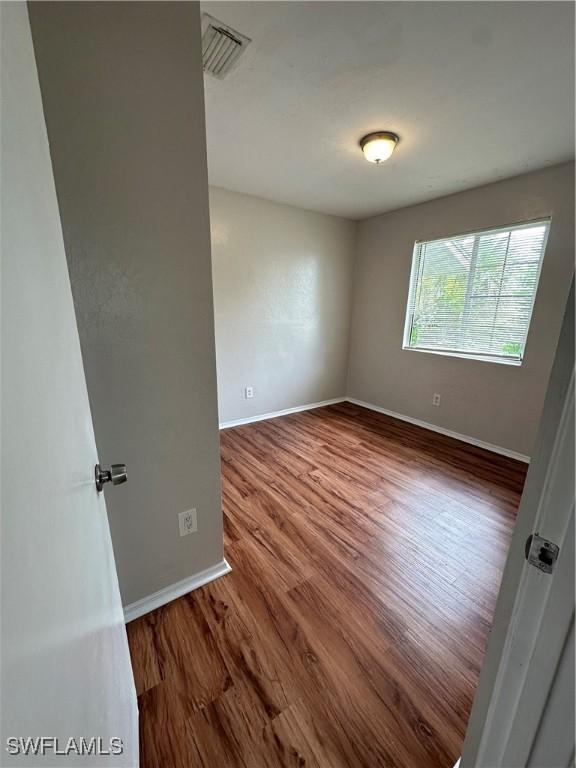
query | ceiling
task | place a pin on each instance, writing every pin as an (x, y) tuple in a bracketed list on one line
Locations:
[(477, 91)]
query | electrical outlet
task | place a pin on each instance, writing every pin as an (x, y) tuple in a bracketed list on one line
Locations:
[(249, 393), (188, 522), (435, 399)]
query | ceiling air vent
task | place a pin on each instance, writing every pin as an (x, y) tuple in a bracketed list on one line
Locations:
[(222, 46)]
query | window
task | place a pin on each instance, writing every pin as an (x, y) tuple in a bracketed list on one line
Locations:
[(472, 295)]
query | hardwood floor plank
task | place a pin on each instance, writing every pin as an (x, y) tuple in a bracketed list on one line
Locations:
[(229, 731), (292, 741), (367, 555), (370, 685), (250, 655), (141, 637)]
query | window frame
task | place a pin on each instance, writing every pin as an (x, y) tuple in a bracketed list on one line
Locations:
[(414, 279)]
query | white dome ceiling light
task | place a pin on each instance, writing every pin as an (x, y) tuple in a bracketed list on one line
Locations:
[(378, 147)]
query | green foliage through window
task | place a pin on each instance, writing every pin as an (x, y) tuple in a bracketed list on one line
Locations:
[(473, 294)]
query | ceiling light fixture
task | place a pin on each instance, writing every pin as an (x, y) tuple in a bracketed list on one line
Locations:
[(378, 147)]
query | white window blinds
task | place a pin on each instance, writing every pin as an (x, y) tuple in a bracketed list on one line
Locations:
[(473, 294)]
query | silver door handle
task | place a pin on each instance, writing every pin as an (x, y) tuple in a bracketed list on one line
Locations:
[(115, 475)]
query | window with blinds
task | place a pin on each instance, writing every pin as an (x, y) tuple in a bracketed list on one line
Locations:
[(472, 295)]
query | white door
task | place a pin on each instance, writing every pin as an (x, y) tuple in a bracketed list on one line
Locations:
[(66, 673), (524, 709)]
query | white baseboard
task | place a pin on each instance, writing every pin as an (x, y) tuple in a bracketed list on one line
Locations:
[(166, 595), (442, 431), (285, 412)]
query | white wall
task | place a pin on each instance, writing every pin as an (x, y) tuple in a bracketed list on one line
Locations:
[(123, 98), (495, 403), (282, 299)]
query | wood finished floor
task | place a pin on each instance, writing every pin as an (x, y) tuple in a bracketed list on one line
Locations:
[(366, 558)]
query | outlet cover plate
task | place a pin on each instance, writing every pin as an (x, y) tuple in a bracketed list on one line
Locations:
[(188, 522)]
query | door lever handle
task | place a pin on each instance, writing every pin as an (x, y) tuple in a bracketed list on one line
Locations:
[(115, 475)]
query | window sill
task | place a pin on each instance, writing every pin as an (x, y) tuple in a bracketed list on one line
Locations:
[(465, 356)]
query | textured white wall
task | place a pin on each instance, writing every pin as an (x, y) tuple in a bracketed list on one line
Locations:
[(282, 300), (499, 404), (122, 86)]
